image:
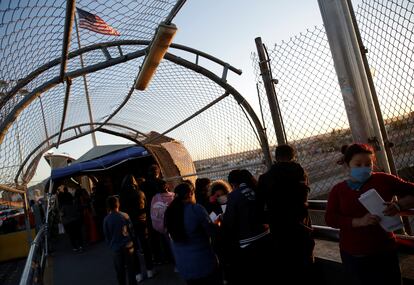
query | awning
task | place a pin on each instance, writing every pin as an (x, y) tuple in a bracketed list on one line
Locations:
[(101, 163)]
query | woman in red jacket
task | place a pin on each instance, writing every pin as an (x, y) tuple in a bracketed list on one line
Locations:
[(368, 252)]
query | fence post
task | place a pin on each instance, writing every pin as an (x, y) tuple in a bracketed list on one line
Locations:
[(26, 217), (387, 143), (270, 92), (363, 50), (352, 77)]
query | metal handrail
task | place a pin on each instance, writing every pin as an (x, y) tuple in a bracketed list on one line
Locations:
[(39, 248), (333, 233), (317, 205), (31, 263)]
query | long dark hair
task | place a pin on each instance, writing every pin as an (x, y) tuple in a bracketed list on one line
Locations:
[(129, 183), (174, 215), (128, 196)]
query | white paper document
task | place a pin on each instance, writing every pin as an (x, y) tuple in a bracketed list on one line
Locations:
[(374, 203), (213, 216)]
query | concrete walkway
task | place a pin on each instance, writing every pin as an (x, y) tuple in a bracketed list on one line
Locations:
[(94, 266)]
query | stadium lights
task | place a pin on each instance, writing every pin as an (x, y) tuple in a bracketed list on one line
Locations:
[(162, 40)]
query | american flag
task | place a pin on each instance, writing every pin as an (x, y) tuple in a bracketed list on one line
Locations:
[(95, 24)]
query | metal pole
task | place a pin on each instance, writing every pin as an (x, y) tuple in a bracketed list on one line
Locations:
[(44, 120), (70, 12), (85, 85), (387, 143), (49, 196), (10, 189), (270, 92), (18, 142), (363, 50), (26, 214), (261, 106), (174, 11), (352, 77), (65, 108)]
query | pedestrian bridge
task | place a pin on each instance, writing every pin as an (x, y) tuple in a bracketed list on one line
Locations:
[(123, 75), (64, 267)]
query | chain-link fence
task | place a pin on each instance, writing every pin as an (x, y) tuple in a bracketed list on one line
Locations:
[(387, 31), (310, 100), (220, 138), (311, 105)]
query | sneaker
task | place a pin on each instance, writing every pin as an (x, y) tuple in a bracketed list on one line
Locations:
[(139, 278), (150, 273)]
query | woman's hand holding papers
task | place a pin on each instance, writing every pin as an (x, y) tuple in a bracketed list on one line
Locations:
[(366, 220)]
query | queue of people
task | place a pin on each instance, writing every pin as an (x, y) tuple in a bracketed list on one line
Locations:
[(248, 231)]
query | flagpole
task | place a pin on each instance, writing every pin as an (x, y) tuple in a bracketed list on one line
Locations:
[(85, 85)]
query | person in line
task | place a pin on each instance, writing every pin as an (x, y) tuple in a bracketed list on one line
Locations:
[(99, 195), (283, 192), (71, 218), (38, 213), (368, 252), (152, 185), (247, 239), (202, 192), (219, 190), (117, 229), (191, 229), (83, 199), (133, 202), (159, 205)]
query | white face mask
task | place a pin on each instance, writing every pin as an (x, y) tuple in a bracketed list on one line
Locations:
[(222, 199)]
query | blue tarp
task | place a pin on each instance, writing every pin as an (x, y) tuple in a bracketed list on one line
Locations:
[(101, 163)]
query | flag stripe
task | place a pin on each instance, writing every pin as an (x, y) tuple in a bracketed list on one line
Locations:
[(95, 24)]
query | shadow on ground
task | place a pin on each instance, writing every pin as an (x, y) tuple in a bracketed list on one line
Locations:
[(94, 266)]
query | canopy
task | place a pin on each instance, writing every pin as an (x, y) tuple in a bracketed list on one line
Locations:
[(101, 163)]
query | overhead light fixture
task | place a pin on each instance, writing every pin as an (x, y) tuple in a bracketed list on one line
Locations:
[(159, 46)]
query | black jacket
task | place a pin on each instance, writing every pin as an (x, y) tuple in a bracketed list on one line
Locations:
[(241, 221)]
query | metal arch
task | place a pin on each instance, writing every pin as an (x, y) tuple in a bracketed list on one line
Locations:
[(237, 96), (11, 117), (115, 133), (123, 58), (23, 82)]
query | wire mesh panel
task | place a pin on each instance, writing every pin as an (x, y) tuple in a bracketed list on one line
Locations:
[(32, 32), (387, 30), (310, 100), (218, 139), (311, 106), (32, 38)]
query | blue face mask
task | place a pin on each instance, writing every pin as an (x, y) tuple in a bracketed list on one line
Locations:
[(361, 174)]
